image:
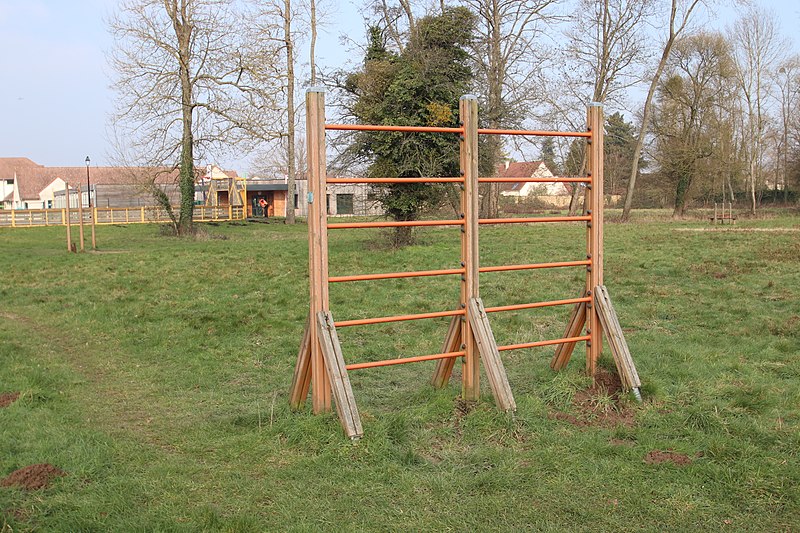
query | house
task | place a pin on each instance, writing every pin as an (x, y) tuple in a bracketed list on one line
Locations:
[(342, 199), (555, 194)]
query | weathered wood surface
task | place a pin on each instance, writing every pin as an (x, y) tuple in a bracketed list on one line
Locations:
[(492, 363), (452, 343), (574, 328), (616, 339)]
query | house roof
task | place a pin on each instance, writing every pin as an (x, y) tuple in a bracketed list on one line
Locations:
[(517, 169), (33, 178)]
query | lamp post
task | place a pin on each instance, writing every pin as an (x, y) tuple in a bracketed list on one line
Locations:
[(91, 211)]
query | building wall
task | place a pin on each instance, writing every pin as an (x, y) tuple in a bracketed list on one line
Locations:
[(363, 202)]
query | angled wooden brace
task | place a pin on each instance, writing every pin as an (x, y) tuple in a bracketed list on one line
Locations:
[(337, 373), (576, 322), (452, 343), (616, 339), (492, 364), (301, 380)]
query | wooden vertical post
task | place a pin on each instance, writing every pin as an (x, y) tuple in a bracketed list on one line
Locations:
[(80, 214), (93, 214), (594, 277), (13, 219), (317, 242), (68, 217), (468, 109)]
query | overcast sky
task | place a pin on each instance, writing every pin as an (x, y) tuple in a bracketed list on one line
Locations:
[(55, 98)]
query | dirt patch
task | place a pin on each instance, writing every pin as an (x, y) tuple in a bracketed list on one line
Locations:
[(600, 405), (7, 398), (656, 457), (33, 477)]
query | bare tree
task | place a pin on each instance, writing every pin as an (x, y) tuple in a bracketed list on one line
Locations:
[(607, 49), (758, 49), (189, 83), (788, 80), (680, 14), (508, 58)]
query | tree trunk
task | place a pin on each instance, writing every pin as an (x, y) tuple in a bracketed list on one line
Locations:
[(183, 32), (290, 155)]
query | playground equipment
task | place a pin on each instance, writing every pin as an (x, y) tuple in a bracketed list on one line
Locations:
[(721, 216), (235, 188), (320, 362)]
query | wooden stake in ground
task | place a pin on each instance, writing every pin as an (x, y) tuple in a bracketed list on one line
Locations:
[(595, 228), (68, 221), (616, 339), (80, 214)]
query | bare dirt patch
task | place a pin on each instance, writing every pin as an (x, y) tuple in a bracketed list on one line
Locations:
[(7, 398), (656, 457), (600, 405), (33, 477)]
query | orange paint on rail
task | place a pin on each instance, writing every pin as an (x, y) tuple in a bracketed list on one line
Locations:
[(534, 220), (534, 180), (533, 266), (543, 343), (538, 133), (398, 224), (405, 360), (403, 129), (537, 305), (396, 275), (398, 318), (395, 180)]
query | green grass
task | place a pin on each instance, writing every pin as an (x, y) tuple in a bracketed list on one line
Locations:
[(158, 377)]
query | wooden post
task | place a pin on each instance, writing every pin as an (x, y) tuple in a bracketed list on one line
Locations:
[(80, 214), (594, 276), (13, 219), (142, 212), (68, 217), (317, 242), (468, 110)]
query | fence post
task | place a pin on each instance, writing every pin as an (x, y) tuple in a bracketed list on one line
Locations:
[(68, 219), (594, 236), (142, 214), (468, 111), (13, 219), (318, 241), (230, 212), (80, 214)]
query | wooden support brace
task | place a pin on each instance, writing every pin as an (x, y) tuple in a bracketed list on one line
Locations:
[(616, 339), (492, 364), (576, 322), (337, 373), (301, 380), (452, 343)]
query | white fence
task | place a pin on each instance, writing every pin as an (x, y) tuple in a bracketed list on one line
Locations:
[(31, 218)]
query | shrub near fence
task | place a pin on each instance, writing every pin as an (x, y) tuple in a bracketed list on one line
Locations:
[(27, 218)]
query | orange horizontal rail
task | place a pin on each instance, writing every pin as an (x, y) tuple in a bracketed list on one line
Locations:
[(397, 224), (402, 361), (396, 275), (534, 180), (537, 305), (538, 133), (524, 345), (398, 318), (532, 266), (404, 129), (533, 220), (395, 180)]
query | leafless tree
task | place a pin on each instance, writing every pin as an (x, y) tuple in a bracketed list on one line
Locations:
[(759, 48), (788, 81), (509, 53), (190, 83), (680, 15), (606, 51)]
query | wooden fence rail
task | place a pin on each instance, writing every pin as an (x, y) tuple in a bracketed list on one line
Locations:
[(32, 218)]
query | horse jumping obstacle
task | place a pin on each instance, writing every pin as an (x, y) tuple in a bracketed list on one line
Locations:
[(320, 363)]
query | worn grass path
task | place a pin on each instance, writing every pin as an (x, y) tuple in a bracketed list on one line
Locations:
[(157, 378)]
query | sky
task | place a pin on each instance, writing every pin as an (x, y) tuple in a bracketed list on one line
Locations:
[(55, 95)]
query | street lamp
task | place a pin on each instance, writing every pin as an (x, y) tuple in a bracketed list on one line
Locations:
[(88, 186)]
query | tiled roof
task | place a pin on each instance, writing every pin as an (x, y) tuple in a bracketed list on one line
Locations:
[(520, 169)]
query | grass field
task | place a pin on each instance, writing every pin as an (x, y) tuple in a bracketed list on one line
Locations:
[(156, 374)]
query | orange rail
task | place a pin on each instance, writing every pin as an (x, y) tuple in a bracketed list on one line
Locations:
[(405, 129), (533, 220), (534, 266), (389, 362), (398, 318), (395, 180), (543, 343), (402, 223), (396, 275), (537, 305), (534, 180), (488, 131)]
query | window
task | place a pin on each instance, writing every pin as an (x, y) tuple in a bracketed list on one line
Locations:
[(49, 204), (344, 204), (297, 201)]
